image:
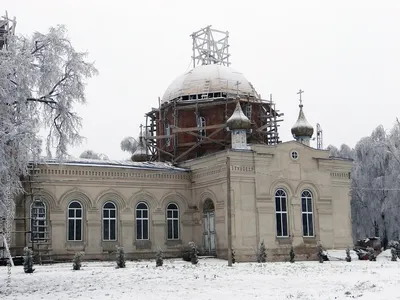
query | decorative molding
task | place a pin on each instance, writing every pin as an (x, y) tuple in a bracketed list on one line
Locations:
[(242, 168), (207, 172), (341, 175), (87, 172)]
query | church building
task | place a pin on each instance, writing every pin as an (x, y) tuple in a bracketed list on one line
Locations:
[(209, 168)]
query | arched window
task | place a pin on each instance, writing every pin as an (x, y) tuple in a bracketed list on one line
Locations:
[(307, 213), (109, 222), (142, 221), (75, 213), (38, 221), (281, 213), (172, 222)]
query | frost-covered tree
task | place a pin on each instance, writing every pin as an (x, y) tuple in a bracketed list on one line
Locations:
[(262, 253), (348, 257), (394, 254), (42, 79), (90, 154), (291, 254), (129, 144), (375, 183), (159, 259), (120, 257), (193, 253), (28, 260), (77, 260)]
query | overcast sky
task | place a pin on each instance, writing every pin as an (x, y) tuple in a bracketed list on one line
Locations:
[(343, 54)]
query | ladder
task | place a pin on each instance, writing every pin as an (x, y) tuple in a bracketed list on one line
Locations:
[(206, 90)]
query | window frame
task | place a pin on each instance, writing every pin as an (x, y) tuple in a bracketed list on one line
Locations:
[(309, 212), (294, 155), (75, 219), (44, 219), (142, 220), (282, 213), (109, 219), (173, 220)]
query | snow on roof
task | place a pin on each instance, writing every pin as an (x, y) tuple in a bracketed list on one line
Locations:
[(127, 164), (208, 79)]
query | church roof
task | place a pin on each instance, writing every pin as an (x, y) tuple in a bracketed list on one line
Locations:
[(302, 127), (209, 79), (127, 164)]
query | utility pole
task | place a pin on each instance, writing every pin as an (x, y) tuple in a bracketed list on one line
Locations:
[(229, 209)]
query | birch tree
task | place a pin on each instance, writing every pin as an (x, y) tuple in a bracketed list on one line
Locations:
[(42, 79)]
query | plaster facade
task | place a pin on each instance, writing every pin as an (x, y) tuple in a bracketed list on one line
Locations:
[(256, 175)]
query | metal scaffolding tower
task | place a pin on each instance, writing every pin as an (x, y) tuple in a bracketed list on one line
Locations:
[(210, 46)]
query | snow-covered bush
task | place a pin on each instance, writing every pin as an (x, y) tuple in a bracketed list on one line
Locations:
[(394, 244), (371, 254), (193, 253), (292, 255), (28, 260), (348, 257), (120, 257), (394, 254), (262, 253), (320, 253), (159, 259), (77, 260)]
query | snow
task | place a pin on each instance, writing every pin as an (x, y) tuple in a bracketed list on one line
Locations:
[(127, 164), (220, 78), (210, 279)]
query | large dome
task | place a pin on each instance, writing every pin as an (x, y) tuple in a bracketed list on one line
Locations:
[(208, 79)]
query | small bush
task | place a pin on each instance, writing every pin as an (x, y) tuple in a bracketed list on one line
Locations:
[(371, 254), (193, 253), (394, 254), (262, 253), (77, 260), (120, 257), (320, 253), (159, 259), (28, 260), (292, 255), (233, 256), (348, 257)]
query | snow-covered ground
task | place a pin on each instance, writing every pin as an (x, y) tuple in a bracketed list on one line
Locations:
[(210, 279)]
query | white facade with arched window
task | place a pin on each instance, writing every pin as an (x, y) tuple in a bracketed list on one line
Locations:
[(150, 206)]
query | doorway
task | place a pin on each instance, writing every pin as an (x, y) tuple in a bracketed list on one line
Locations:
[(209, 234)]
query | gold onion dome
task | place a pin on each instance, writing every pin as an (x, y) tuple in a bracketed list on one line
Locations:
[(238, 120), (302, 128), (140, 154)]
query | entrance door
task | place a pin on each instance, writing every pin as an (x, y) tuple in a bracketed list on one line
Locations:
[(209, 234)]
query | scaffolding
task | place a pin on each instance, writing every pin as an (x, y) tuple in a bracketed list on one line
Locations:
[(319, 137), (7, 28), (210, 46), (264, 127)]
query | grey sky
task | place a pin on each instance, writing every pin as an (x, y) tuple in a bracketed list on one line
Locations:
[(343, 54)]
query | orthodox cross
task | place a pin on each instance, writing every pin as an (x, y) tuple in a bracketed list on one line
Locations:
[(141, 126), (299, 93), (237, 87)]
